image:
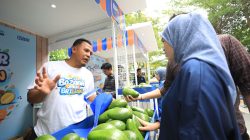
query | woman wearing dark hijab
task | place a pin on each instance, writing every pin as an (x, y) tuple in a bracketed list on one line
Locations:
[(199, 103)]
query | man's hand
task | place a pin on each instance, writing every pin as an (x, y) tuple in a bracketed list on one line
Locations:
[(147, 126), (43, 84)]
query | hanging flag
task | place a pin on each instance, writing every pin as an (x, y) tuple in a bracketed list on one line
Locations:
[(104, 44), (99, 45), (108, 7), (103, 4), (94, 44), (116, 11), (130, 37), (109, 43), (97, 1)]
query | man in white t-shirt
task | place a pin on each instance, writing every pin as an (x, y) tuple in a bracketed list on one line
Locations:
[(62, 87)]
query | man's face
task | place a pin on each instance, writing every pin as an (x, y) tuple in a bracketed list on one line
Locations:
[(107, 72), (139, 73), (82, 53)]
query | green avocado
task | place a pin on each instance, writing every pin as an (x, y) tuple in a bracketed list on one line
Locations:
[(71, 136), (46, 137), (141, 116), (118, 103), (134, 108), (149, 112), (119, 114), (103, 117), (118, 124), (130, 91), (131, 135), (138, 124), (107, 134), (131, 126), (104, 126)]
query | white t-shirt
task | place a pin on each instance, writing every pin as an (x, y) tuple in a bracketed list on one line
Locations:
[(65, 105)]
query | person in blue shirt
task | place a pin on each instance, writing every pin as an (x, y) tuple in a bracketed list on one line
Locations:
[(160, 75), (140, 77), (199, 103)]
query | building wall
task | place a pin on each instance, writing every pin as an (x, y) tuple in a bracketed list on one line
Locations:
[(22, 53), (41, 45)]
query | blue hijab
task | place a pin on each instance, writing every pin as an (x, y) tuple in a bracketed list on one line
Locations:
[(193, 37), (161, 71)]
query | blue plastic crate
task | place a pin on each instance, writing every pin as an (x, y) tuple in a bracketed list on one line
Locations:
[(98, 106), (155, 84), (82, 128)]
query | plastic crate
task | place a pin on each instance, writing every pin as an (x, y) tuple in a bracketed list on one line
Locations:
[(98, 106), (82, 128)]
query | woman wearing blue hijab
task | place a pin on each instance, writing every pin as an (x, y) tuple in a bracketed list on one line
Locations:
[(160, 75), (199, 103)]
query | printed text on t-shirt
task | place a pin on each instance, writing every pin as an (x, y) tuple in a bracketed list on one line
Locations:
[(71, 85)]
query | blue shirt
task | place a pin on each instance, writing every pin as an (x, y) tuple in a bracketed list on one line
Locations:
[(198, 106), (140, 79)]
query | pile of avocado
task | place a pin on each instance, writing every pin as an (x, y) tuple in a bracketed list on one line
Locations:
[(120, 122), (70, 136)]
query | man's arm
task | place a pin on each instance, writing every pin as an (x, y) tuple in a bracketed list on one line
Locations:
[(92, 98), (239, 64), (34, 96)]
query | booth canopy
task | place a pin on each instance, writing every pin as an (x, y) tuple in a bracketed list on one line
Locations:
[(70, 17), (144, 32), (73, 19)]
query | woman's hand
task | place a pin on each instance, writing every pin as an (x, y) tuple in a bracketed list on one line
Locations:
[(147, 126), (129, 98)]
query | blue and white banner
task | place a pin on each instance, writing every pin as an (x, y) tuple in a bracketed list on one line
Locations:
[(17, 70)]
